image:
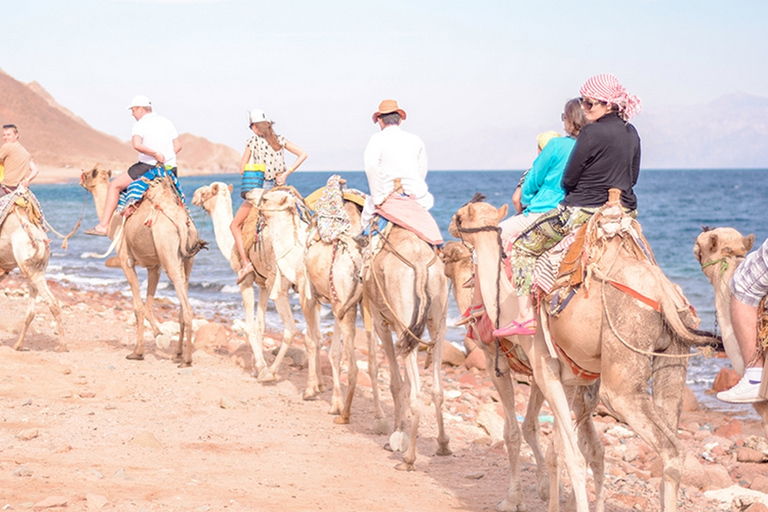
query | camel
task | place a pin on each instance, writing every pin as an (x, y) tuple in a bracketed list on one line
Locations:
[(720, 251), (24, 245), (333, 269), (606, 332), (408, 290), (283, 234), (158, 235)]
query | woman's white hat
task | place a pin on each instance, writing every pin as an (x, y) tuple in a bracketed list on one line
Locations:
[(258, 116)]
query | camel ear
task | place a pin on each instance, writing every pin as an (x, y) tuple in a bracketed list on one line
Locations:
[(215, 188), (713, 241), (109, 173), (749, 242), (502, 213), (453, 226), (230, 188)]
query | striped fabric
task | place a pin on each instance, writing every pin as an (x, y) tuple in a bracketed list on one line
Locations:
[(135, 191), (606, 87)]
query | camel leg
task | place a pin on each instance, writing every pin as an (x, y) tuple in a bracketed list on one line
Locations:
[(283, 307), (503, 384), (347, 325), (311, 310), (260, 369), (153, 278), (181, 284), (762, 410), (532, 433), (249, 302), (396, 384), (436, 328), (28, 316), (627, 397), (138, 310), (584, 404), (373, 361), (335, 356), (553, 469), (411, 367), (546, 373)]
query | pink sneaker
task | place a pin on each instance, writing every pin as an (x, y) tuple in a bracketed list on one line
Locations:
[(516, 329)]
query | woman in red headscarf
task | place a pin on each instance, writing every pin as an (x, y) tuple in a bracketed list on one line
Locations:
[(606, 155)]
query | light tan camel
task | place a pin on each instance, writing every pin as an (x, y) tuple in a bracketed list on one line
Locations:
[(606, 331), (159, 235), (334, 274), (278, 260), (408, 290), (720, 251), (24, 245)]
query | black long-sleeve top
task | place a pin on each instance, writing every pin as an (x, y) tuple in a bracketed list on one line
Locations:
[(606, 155)]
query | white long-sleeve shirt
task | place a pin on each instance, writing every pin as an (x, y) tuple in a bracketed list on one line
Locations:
[(393, 153)]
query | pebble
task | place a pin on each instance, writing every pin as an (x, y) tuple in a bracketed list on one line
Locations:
[(28, 434), (51, 502), (146, 439), (749, 455), (476, 475), (21, 471), (95, 501)]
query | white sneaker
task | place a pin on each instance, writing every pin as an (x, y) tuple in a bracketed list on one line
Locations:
[(744, 392)]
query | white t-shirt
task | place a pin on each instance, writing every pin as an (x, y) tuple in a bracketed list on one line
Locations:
[(157, 133)]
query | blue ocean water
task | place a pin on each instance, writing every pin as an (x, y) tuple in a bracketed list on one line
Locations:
[(673, 205)]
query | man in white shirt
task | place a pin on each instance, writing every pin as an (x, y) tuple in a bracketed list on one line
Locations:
[(156, 140), (393, 153)]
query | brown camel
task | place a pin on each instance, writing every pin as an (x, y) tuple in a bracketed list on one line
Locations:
[(24, 245), (720, 251), (333, 269), (158, 235), (605, 331), (408, 290), (282, 234)]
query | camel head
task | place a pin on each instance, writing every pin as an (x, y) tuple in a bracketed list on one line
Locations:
[(717, 244), (205, 193), (90, 180), (457, 261), (476, 215), (277, 200)]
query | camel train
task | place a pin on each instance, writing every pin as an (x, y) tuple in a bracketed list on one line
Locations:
[(637, 322)]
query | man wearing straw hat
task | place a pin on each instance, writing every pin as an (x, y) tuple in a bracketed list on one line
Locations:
[(390, 154)]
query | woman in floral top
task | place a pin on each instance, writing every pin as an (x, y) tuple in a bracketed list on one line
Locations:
[(263, 167)]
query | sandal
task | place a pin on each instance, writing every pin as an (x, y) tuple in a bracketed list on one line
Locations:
[(244, 272), (96, 232), (516, 329), (473, 312)]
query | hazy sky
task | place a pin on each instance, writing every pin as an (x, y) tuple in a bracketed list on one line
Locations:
[(465, 71)]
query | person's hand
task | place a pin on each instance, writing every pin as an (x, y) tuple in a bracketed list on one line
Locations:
[(516, 197), (24, 183), (160, 158), (280, 179)]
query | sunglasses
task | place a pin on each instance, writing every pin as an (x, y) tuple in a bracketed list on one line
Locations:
[(588, 104)]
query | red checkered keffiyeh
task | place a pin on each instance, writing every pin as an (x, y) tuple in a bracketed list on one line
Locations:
[(607, 88)]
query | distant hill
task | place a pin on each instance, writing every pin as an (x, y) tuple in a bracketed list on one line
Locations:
[(57, 138)]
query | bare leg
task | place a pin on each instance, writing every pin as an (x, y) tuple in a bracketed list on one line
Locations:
[(116, 186), (744, 319), (237, 230)]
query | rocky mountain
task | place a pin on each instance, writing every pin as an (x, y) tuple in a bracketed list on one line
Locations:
[(58, 138)]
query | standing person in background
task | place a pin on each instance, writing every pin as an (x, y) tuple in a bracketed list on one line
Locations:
[(19, 167), (156, 140), (606, 155), (263, 167), (390, 154)]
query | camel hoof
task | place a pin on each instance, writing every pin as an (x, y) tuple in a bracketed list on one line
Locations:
[(398, 441), (381, 426), (21, 349), (404, 466), (506, 506), (135, 357), (266, 376), (335, 409), (341, 420), (309, 395), (185, 365), (177, 359), (443, 451), (543, 489)]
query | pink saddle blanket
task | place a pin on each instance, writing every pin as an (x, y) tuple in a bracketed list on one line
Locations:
[(407, 213)]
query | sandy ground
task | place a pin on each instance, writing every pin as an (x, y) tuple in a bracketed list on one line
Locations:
[(89, 430)]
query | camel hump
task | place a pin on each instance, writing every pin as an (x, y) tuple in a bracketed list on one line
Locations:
[(614, 195)]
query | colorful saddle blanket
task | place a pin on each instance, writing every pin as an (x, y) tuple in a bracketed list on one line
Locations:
[(26, 199), (331, 218), (134, 193), (407, 213)]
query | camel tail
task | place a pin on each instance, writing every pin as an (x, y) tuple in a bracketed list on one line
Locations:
[(674, 318), (410, 338)]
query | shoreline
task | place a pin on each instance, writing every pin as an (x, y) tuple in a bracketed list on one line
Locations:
[(51, 175)]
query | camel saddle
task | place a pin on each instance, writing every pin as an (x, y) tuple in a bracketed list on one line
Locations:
[(131, 197), (22, 198)]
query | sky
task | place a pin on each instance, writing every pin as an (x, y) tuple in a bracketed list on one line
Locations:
[(478, 79)]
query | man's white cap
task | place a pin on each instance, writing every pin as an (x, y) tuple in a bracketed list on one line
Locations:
[(257, 116), (140, 101)]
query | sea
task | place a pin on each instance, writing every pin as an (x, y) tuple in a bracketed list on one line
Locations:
[(673, 207)]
